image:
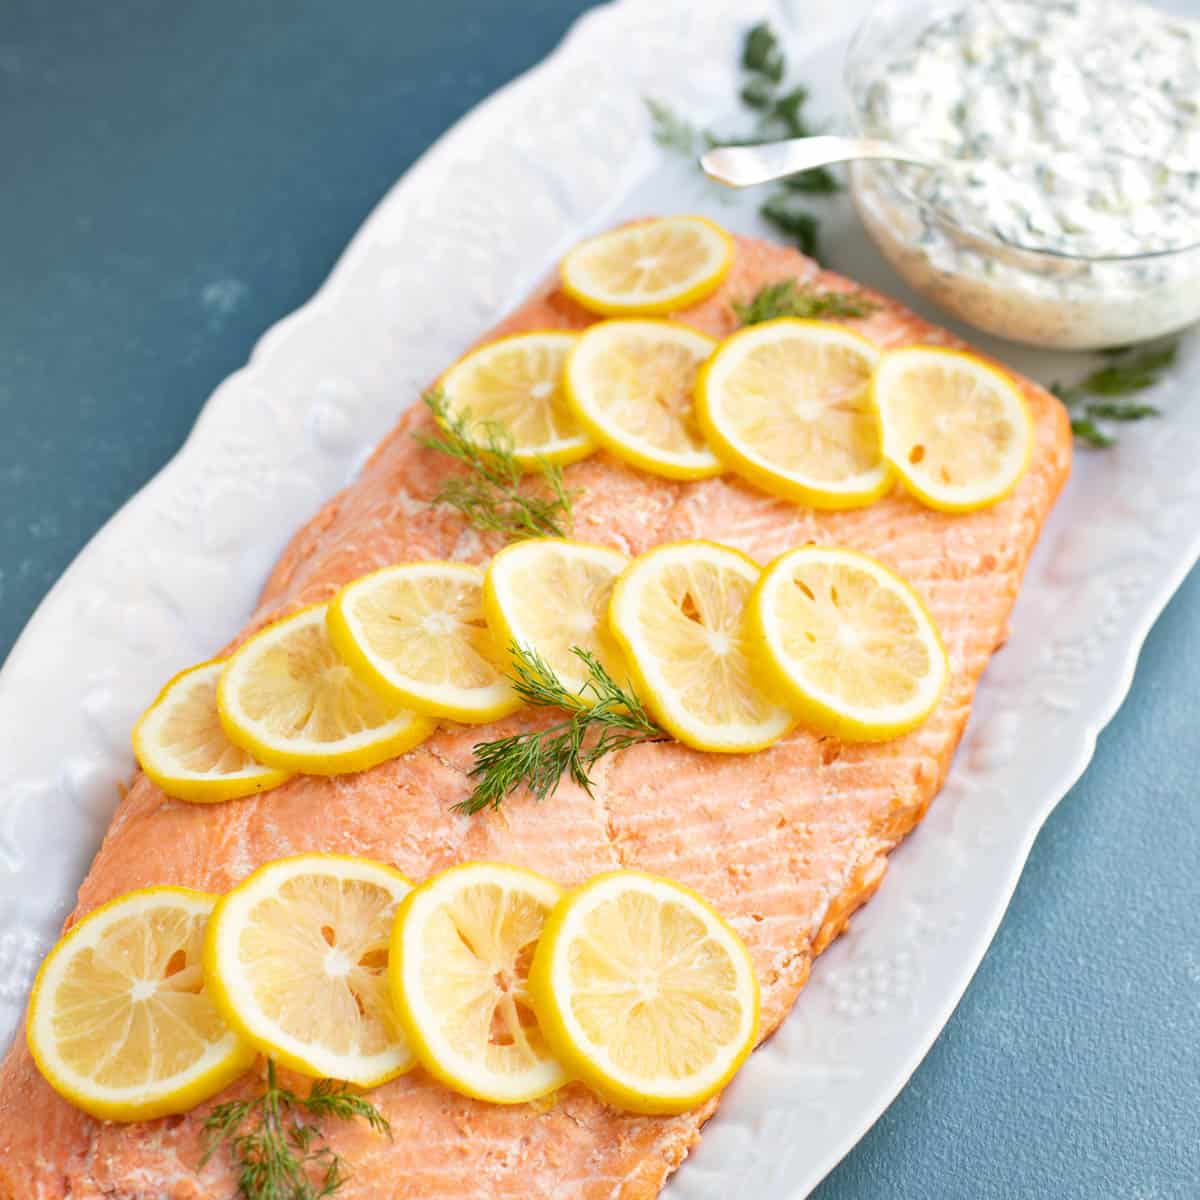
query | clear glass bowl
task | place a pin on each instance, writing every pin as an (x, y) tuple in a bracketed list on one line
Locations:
[(1033, 296)]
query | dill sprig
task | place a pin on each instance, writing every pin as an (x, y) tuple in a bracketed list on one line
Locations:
[(796, 223), (1127, 372), (779, 113), (601, 718), (277, 1153), (788, 299), (491, 497)]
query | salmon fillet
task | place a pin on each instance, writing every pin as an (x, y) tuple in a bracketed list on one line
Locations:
[(786, 843)]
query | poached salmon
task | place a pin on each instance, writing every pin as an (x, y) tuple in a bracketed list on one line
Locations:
[(786, 843)]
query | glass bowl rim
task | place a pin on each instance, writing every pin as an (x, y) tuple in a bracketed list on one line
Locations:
[(852, 62)]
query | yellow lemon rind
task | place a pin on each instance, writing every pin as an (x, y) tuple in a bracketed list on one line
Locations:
[(563, 453), (628, 450), (699, 290), (912, 481), (419, 1038), (646, 688), (179, 1100), (198, 789), (362, 757), (250, 1031), (765, 476), (350, 649), (505, 632), (812, 712), (548, 1005)]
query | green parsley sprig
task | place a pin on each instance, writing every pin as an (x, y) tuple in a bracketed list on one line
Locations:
[(1127, 373), (604, 717), (278, 1154), (789, 299), (779, 113), (493, 496)]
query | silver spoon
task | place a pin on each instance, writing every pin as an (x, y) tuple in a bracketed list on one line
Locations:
[(744, 166)]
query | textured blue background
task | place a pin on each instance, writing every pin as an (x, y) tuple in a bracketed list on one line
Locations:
[(174, 178)]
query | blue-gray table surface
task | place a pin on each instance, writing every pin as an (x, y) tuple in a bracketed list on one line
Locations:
[(175, 178)]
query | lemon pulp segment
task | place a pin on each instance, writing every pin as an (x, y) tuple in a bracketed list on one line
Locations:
[(550, 596), (677, 612), (645, 993), (956, 429), (632, 385), (418, 633), (121, 1022), (787, 405), (297, 958), (287, 697), (511, 391), (648, 267), (461, 951), (181, 746), (847, 642)]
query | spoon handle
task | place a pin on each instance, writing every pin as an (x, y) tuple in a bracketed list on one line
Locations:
[(744, 166)]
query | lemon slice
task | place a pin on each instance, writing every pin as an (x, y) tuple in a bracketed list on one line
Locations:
[(511, 391), (677, 613), (548, 596), (296, 958), (787, 405), (632, 384), (181, 746), (287, 698), (417, 633), (649, 267), (847, 642), (121, 1022), (644, 992), (461, 951), (955, 428)]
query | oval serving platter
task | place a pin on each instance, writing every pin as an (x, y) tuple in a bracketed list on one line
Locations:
[(560, 152)]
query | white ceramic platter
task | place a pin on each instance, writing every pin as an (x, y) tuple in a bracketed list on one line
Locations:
[(565, 150)]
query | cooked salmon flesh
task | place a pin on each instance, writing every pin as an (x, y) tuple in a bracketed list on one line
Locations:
[(786, 843)]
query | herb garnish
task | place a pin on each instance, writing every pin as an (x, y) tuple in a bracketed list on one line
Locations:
[(797, 223), (788, 299), (779, 114), (491, 497), (672, 132), (761, 55), (281, 1157), (1126, 373), (603, 718)]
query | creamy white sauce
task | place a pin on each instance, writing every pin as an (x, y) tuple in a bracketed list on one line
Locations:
[(1075, 123), (1072, 212)]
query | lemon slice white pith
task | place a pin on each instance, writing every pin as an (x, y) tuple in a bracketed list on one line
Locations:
[(461, 951), (417, 633), (787, 405), (296, 957), (644, 992), (181, 746), (955, 428), (121, 1022), (632, 385), (677, 612), (848, 643), (649, 267), (549, 595), (287, 697), (511, 390)]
